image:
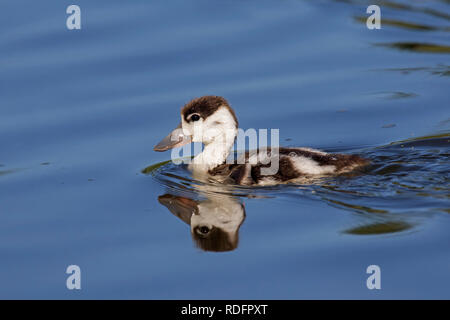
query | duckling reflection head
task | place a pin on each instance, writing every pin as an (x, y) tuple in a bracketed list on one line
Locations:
[(215, 225), (214, 222), (214, 239)]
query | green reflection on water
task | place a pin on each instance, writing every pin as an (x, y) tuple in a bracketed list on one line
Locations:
[(416, 47), (380, 228)]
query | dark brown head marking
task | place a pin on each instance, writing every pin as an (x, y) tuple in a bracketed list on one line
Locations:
[(206, 106), (215, 239)]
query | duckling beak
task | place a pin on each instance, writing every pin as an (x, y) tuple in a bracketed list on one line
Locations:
[(182, 207), (174, 139)]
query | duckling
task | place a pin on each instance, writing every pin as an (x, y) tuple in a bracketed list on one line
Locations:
[(211, 121)]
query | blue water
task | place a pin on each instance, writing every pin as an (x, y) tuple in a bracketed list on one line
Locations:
[(81, 110)]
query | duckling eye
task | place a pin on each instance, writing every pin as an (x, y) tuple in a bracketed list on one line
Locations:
[(195, 117), (204, 230)]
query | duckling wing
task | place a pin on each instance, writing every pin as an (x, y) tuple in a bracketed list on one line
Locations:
[(232, 173), (293, 163), (298, 163)]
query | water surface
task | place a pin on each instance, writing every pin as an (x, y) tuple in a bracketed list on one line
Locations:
[(81, 110)]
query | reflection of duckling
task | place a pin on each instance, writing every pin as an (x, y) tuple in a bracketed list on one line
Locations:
[(211, 120), (214, 222)]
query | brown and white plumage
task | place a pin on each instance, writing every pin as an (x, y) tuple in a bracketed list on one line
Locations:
[(294, 164), (211, 120)]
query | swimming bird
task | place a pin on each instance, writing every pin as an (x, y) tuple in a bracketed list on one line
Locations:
[(211, 121)]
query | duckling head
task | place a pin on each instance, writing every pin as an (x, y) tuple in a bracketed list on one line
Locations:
[(209, 120), (214, 222)]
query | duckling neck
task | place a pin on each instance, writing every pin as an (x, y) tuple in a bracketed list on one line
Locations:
[(213, 154)]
